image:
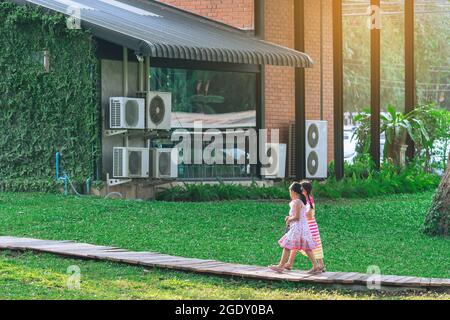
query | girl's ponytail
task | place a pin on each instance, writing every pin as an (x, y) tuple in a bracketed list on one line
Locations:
[(310, 202), (307, 186)]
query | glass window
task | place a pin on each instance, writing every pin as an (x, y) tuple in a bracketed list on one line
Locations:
[(432, 63), (220, 100), (393, 55), (432, 47), (356, 35), (432, 60)]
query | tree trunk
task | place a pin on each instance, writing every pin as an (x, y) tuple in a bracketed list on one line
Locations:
[(438, 219)]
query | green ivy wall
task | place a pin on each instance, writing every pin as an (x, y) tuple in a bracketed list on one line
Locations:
[(41, 113)]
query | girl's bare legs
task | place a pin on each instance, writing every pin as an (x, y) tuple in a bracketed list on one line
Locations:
[(321, 264), (290, 264), (313, 260), (284, 257), (283, 260), (310, 254)]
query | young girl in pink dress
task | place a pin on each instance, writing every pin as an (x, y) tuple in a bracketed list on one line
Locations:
[(313, 227), (298, 236)]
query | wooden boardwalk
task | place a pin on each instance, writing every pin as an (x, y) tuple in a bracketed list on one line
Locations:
[(157, 260)]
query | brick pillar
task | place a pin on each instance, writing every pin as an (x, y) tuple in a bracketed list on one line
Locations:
[(279, 81), (319, 92), (328, 92)]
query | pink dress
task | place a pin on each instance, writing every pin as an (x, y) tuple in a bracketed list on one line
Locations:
[(299, 236)]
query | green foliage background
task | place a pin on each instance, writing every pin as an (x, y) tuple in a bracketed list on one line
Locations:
[(432, 44), (41, 113)]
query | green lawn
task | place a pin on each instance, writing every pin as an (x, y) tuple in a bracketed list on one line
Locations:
[(356, 233), (28, 276)]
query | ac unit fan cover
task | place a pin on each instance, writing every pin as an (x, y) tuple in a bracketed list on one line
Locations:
[(157, 110), (132, 113), (135, 163), (313, 135), (313, 163), (270, 159), (164, 164)]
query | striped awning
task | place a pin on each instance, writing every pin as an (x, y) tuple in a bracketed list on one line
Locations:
[(154, 29)]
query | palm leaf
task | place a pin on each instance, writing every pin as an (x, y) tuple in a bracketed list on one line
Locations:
[(391, 110)]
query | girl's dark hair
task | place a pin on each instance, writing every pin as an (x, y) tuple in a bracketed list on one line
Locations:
[(307, 186), (298, 189)]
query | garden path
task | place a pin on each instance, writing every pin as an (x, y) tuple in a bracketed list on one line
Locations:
[(157, 260)]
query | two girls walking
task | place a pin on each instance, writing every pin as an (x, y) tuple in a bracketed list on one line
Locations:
[(302, 233)]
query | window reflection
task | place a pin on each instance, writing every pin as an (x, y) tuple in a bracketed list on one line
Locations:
[(218, 99)]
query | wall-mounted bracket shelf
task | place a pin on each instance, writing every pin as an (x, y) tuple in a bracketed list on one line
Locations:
[(116, 182), (111, 133)]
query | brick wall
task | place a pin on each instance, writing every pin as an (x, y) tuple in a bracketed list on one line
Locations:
[(319, 91), (328, 81), (237, 13), (280, 81)]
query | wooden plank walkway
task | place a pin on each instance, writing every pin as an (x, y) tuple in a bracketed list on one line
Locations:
[(158, 260)]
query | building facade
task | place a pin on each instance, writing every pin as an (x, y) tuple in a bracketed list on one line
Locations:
[(280, 81), (202, 59)]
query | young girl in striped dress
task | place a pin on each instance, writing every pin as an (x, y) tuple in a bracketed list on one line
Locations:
[(313, 227), (298, 236)]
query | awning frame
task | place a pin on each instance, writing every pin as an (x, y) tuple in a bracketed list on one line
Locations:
[(136, 35)]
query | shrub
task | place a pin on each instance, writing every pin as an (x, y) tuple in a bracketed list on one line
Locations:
[(28, 185), (220, 192), (361, 181)]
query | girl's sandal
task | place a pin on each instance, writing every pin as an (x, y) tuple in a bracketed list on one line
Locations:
[(288, 267), (314, 271), (277, 269)]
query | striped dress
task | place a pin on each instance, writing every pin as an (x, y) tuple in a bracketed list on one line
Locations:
[(314, 228)]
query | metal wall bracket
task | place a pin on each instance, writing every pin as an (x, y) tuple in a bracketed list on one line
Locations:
[(110, 133), (116, 182)]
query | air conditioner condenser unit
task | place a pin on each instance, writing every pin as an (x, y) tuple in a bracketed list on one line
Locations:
[(126, 113), (276, 168), (316, 149), (159, 110), (131, 162), (164, 163)]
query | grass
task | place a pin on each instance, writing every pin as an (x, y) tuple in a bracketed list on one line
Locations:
[(356, 233), (385, 232), (28, 276)]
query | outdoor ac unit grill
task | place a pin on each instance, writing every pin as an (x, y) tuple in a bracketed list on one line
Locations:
[(159, 110), (164, 163), (276, 168), (316, 160), (316, 149), (130, 162), (126, 113)]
